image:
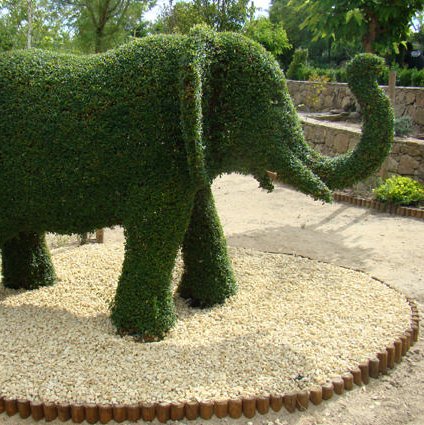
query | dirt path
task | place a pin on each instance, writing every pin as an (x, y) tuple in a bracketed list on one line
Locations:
[(388, 247)]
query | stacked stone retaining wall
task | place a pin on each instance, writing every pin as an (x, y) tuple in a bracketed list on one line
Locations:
[(406, 158), (325, 97)]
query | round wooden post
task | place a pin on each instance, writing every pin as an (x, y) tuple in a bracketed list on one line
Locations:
[(100, 235), (392, 87)]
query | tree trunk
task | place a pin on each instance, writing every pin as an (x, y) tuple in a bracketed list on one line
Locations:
[(98, 43), (29, 32), (370, 36)]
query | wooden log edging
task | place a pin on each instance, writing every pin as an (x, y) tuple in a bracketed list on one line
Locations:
[(234, 408), (379, 206)]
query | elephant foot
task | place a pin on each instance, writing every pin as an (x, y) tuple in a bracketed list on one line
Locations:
[(204, 291), (26, 262), (145, 316), (136, 336)]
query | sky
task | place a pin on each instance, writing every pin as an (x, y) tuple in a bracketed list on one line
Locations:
[(261, 5)]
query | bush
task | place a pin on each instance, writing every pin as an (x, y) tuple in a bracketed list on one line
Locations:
[(340, 74), (404, 77), (410, 77), (272, 36), (403, 126), (297, 67), (417, 78), (400, 190)]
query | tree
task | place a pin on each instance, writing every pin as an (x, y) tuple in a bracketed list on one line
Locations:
[(101, 24), (380, 24), (225, 15), (221, 15), (178, 18), (281, 12), (32, 23), (271, 35), (300, 38)]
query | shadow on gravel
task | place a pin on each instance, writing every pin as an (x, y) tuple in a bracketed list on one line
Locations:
[(308, 241)]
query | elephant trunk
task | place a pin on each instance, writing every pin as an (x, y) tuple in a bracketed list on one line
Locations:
[(316, 174), (377, 129)]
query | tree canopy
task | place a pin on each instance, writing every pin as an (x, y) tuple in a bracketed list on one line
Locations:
[(271, 35), (102, 24), (32, 23), (82, 25), (379, 24), (221, 15)]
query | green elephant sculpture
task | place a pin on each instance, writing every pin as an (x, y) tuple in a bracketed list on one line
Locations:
[(135, 137)]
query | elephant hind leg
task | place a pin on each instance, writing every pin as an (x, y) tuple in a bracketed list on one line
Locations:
[(26, 262), (208, 277)]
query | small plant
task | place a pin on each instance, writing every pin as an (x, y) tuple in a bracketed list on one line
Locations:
[(318, 88), (400, 190), (403, 126)]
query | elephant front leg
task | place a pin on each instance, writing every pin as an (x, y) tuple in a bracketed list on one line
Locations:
[(208, 277), (26, 262), (143, 304)]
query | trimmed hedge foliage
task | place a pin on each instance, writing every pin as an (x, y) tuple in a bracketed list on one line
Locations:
[(135, 136), (377, 129)]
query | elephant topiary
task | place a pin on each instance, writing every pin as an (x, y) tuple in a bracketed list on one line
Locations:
[(135, 137)]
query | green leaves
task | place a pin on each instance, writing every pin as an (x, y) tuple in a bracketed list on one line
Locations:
[(356, 15), (272, 36), (400, 190), (375, 23), (229, 15), (377, 130)]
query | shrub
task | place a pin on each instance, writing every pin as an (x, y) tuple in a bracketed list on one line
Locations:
[(403, 126), (383, 78), (340, 74), (400, 190), (417, 78), (317, 89), (410, 77), (296, 68), (404, 77)]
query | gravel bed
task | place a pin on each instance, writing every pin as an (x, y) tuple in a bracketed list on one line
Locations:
[(294, 323)]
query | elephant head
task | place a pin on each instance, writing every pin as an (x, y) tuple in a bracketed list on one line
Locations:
[(250, 125)]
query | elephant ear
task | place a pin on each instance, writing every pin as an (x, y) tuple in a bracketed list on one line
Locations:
[(192, 69)]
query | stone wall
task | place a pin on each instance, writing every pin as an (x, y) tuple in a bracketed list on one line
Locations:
[(325, 97), (406, 158)]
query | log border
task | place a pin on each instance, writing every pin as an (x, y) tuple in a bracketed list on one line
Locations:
[(379, 206)]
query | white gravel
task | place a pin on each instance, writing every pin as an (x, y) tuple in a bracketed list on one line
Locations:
[(294, 323)]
